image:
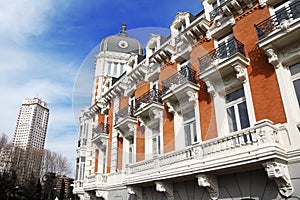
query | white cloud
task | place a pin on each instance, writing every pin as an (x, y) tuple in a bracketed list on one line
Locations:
[(22, 18), (27, 73)]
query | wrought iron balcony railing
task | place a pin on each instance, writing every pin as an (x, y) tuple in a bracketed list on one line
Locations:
[(264, 28), (183, 75), (217, 11), (125, 112), (225, 50), (154, 95), (102, 128)]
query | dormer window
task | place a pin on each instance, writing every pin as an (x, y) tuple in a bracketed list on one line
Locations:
[(181, 28)]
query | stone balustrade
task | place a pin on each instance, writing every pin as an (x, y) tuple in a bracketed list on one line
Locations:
[(263, 134)]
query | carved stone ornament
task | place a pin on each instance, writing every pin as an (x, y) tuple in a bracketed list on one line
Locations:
[(135, 190), (280, 174), (102, 194), (285, 25), (170, 107), (142, 122), (155, 114), (262, 3), (166, 188), (273, 58), (210, 88), (240, 72), (192, 95), (210, 182)]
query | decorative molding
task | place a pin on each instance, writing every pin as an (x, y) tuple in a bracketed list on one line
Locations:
[(102, 194), (155, 113), (280, 174), (210, 88), (179, 19), (135, 190), (142, 122), (211, 183), (285, 25), (240, 72), (273, 58), (192, 95), (262, 3), (170, 107), (166, 188)]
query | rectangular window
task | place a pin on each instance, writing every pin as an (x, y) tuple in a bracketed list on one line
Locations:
[(121, 69), (190, 132), (155, 141), (236, 108), (115, 69), (131, 145), (108, 68), (295, 78)]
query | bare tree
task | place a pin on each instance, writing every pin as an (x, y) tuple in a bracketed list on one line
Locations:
[(3, 141), (55, 163)]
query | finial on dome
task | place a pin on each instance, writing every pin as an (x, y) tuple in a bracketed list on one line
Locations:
[(123, 30)]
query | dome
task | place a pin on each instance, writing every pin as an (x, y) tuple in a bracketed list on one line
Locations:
[(122, 43)]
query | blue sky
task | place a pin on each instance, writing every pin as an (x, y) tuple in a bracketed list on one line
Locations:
[(47, 46)]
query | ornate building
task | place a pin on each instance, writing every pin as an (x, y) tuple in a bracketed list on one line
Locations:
[(212, 111)]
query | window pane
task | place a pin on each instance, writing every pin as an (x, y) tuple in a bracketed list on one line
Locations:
[(295, 69), (235, 95), (243, 115), (109, 68), (195, 132), (187, 133), (130, 154), (231, 119), (154, 146), (115, 69), (158, 144), (297, 90)]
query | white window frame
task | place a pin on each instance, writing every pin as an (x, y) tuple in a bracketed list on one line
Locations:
[(235, 104), (109, 66), (191, 123), (115, 72), (293, 78), (131, 153), (156, 150)]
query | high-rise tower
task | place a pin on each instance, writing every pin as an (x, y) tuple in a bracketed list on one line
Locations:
[(29, 137)]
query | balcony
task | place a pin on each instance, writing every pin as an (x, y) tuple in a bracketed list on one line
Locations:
[(281, 30), (126, 121), (251, 146), (180, 90), (101, 183), (78, 187), (228, 58), (94, 181), (101, 135), (148, 107)]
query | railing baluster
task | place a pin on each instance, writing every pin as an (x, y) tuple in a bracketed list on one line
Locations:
[(264, 28), (226, 50), (183, 75)]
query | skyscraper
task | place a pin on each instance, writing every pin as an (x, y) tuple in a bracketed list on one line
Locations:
[(29, 137)]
